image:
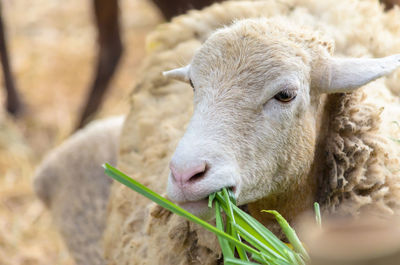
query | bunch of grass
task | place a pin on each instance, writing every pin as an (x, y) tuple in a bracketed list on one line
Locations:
[(261, 247)]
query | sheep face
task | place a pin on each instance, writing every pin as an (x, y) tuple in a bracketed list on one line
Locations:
[(258, 86), (253, 124)]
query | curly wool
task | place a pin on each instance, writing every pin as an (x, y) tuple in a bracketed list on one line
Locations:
[(361, 170)]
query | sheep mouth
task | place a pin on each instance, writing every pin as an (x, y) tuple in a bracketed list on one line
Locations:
[(200, 207), (204, 200), (190, 204)]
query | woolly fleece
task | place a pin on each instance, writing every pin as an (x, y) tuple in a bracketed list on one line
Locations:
[(357, 164)]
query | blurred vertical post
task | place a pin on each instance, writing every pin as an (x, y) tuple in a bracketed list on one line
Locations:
[(110, 45), (390, 3), (171, 8), (109, 53), (13, 101)]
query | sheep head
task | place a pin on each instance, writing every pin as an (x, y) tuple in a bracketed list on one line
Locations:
[(258, 88)]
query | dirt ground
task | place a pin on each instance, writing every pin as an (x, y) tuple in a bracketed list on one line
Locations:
[(52, 46)]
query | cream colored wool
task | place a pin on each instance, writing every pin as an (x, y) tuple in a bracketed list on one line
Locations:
[(361, 169)]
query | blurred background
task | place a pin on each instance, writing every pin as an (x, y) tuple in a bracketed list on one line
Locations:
[(52, 47)]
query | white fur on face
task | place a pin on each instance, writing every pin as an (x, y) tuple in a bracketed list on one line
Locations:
[(249, 140)]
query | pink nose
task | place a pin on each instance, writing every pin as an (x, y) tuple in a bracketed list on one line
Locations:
[(188, 172)]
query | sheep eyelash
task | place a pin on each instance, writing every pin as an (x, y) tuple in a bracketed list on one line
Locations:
[(191, 83), (291, 93)]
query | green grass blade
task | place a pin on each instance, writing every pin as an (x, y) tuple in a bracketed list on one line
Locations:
[(224, 244), (294, 257), (256, 243), (276, 252), (211, 199), (265, 234), (259, 231), (247, 222), (229, 261), (299, 259), (231, 196), (228, 226), (259, 259), (290, 233), (317, 214), (143, 190), (229, 204), (231, 217)]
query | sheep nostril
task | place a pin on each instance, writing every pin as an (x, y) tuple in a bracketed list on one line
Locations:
[(197, 176), (188, 174)]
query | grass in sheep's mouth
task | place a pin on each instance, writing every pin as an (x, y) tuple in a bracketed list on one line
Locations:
[(262, 246)]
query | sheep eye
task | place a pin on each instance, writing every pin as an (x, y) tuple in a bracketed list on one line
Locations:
[(285, 96), (191, 83)]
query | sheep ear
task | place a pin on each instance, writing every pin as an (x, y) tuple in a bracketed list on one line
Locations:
[(181, 74), (345, 75)]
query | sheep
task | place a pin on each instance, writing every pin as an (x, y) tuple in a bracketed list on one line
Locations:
[(71, 183), (341, 155)]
